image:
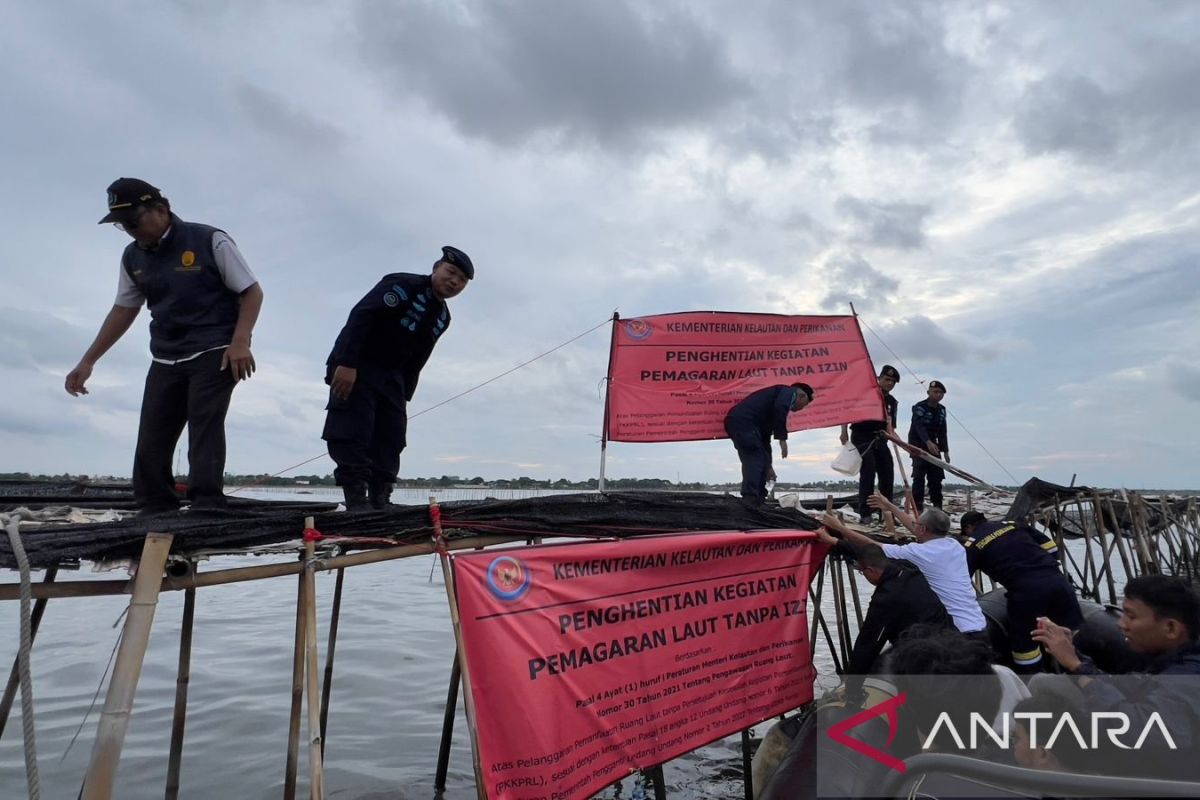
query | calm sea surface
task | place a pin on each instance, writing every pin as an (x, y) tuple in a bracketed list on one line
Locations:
[(394, 650)]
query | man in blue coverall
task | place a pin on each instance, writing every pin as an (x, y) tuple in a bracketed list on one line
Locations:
[(372, 373), (928, 431), (751, 424)]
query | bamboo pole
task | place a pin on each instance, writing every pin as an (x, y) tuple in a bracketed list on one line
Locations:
[(660, 781), (14, 676), (1181, 522), (909, 502), (118, 703), (443, 762), (1089, 556), (839, 611), (1070, 556), (858, 614), (1104, 571), (1117, 537), (1149, 563), (1127, 560), (293, 746), (224, 577), (1177, 530), (316, 769), (820, 620), (1062, 549), (468, 699), (175, 759), (815, 601), (327, 687), (747, 767)]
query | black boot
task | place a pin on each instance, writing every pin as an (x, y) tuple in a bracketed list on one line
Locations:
[(381, 495), (356, 496)]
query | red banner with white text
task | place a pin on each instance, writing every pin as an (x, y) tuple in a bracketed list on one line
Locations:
[(675, 376), (586, 661)]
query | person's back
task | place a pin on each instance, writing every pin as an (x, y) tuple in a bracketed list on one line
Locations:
[(902, 598), (751, 423), (1023, 561), (765, 410), (1011, 554), (943, 561)]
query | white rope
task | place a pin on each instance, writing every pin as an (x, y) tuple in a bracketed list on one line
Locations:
[(12, 524)]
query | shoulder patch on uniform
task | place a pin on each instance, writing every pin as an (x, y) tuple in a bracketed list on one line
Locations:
[(390, 299)]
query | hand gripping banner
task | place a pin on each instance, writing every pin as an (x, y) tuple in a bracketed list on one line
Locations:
[(673, 377), (587, 661)]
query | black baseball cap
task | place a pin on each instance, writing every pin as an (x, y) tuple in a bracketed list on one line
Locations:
[(937, 385), (889, 371), (126, 194), (452, 255)]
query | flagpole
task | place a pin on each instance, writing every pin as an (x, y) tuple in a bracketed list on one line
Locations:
[(607, 391)]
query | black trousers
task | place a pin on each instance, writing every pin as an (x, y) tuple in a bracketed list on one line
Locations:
[(876, 466), (922, 471), (196, 394), (1043, 595), (366, 432), (755, 454)]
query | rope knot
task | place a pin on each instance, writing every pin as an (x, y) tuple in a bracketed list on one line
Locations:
[(313, 535)]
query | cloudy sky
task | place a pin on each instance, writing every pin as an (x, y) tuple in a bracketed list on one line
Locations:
[(1006, 192)]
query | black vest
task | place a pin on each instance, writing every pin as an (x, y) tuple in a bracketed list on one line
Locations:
[(191, 309)]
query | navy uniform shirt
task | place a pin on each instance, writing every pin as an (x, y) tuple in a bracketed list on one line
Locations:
[(766, 411), (929, 425), (1010, 553), (393, 328)]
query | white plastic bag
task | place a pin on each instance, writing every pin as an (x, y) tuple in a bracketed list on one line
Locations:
[(848, 460)]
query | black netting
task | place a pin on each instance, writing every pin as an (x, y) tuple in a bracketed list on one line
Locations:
[(619, 514), (1037, 493)]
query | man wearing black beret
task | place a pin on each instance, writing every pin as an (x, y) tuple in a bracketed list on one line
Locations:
[(372, 373), (928, 431)]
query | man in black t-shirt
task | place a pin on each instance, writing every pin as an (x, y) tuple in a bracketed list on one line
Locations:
[(873, 445)]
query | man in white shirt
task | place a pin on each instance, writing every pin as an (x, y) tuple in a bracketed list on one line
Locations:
[(941, 559)]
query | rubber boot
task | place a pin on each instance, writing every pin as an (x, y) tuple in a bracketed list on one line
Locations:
[(381, 496), (356, 497)]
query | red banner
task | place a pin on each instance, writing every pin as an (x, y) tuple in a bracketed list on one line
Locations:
[(675, 376), (586, 661)]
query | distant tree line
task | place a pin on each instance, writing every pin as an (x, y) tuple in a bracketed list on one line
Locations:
[(839, 487)]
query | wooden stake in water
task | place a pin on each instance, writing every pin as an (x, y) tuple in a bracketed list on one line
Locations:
[(118, 703), (293, 746), (315, 767), (183, 678), (435, 515)]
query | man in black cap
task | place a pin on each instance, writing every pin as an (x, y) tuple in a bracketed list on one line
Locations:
[(928, 431), (752, 422), (372, 373), (873, 445), (203, 302)]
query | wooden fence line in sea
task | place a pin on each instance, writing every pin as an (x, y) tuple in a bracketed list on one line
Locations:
[(1139, 534)]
